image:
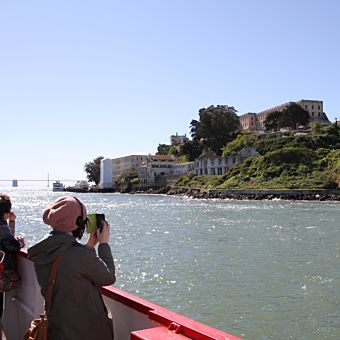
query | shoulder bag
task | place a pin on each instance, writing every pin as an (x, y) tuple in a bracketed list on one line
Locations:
[(9, 278), (38, 327)]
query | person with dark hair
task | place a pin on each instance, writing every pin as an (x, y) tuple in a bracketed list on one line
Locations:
[(8, 243), (78, 310), (6, 213)]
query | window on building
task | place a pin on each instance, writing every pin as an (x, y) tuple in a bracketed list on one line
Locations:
[(313, 107), (306, 106), (312, 114), (318, 107)]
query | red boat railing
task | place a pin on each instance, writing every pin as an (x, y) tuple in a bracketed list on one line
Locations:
[(133, 317)]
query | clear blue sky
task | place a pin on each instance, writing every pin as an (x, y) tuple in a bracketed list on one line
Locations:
[(80, 79)]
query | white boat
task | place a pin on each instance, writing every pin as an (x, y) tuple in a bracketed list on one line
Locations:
[(58, 186), (133, 318)]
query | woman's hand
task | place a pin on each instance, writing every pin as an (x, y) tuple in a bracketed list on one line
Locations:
[(103, 237), (92, 240), (21, 241)]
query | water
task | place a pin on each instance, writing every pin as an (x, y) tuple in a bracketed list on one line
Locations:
[(257, 269)]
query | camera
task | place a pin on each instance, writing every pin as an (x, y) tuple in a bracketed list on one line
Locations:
[(95, 221)]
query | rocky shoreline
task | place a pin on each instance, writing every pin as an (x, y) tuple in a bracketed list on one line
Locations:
[(308, 195)]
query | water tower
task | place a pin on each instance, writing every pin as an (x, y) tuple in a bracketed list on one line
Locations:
[(106, 173)]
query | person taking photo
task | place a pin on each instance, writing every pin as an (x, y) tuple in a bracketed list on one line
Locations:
[(78, 310)]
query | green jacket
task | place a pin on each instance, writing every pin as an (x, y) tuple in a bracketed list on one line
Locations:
[(78, 310)]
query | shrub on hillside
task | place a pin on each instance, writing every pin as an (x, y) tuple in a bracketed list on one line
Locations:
[(289, 155), (243, 140), (330, 184)]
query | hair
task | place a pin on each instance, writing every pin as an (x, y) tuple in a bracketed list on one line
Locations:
[(5, 205)]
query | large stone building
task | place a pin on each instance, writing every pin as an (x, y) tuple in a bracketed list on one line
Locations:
[(255, 121), (177, 140), (125, 165), (117, 167), (151, 169), (249, 122)]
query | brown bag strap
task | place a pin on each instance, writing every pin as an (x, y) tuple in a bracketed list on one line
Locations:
[(51, 282)]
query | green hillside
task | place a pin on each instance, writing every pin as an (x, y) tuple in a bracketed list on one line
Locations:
[(290, 161)]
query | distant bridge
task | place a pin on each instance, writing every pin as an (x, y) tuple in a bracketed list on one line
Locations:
[(15, 182)]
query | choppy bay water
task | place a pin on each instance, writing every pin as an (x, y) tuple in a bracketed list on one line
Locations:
[(257, 269)]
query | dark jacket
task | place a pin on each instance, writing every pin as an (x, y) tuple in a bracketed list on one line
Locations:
[(78, 310), (9, 244)]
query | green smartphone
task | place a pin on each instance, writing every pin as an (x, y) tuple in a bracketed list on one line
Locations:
[(95, 221)]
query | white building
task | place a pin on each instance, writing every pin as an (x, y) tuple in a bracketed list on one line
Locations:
[(125, 165), (111, 170), (212, 165), (156, 169), (81, 184), (181, 169)]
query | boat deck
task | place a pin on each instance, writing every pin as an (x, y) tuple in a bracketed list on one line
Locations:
[(134, 318)]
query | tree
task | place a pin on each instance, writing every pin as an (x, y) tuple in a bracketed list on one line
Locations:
[(273, 121), (163, 149), (296, 115), (191, 149), (92, 170), (126, 181), (290, 117), (194, 125), (217, 126)]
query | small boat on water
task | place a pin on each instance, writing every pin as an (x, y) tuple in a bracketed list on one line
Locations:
[(58, 186), (133, 318)]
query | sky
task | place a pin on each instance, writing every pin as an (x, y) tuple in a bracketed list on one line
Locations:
[(86, 78)]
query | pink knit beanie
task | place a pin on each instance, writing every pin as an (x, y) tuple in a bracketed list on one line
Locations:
[(62, 214)]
